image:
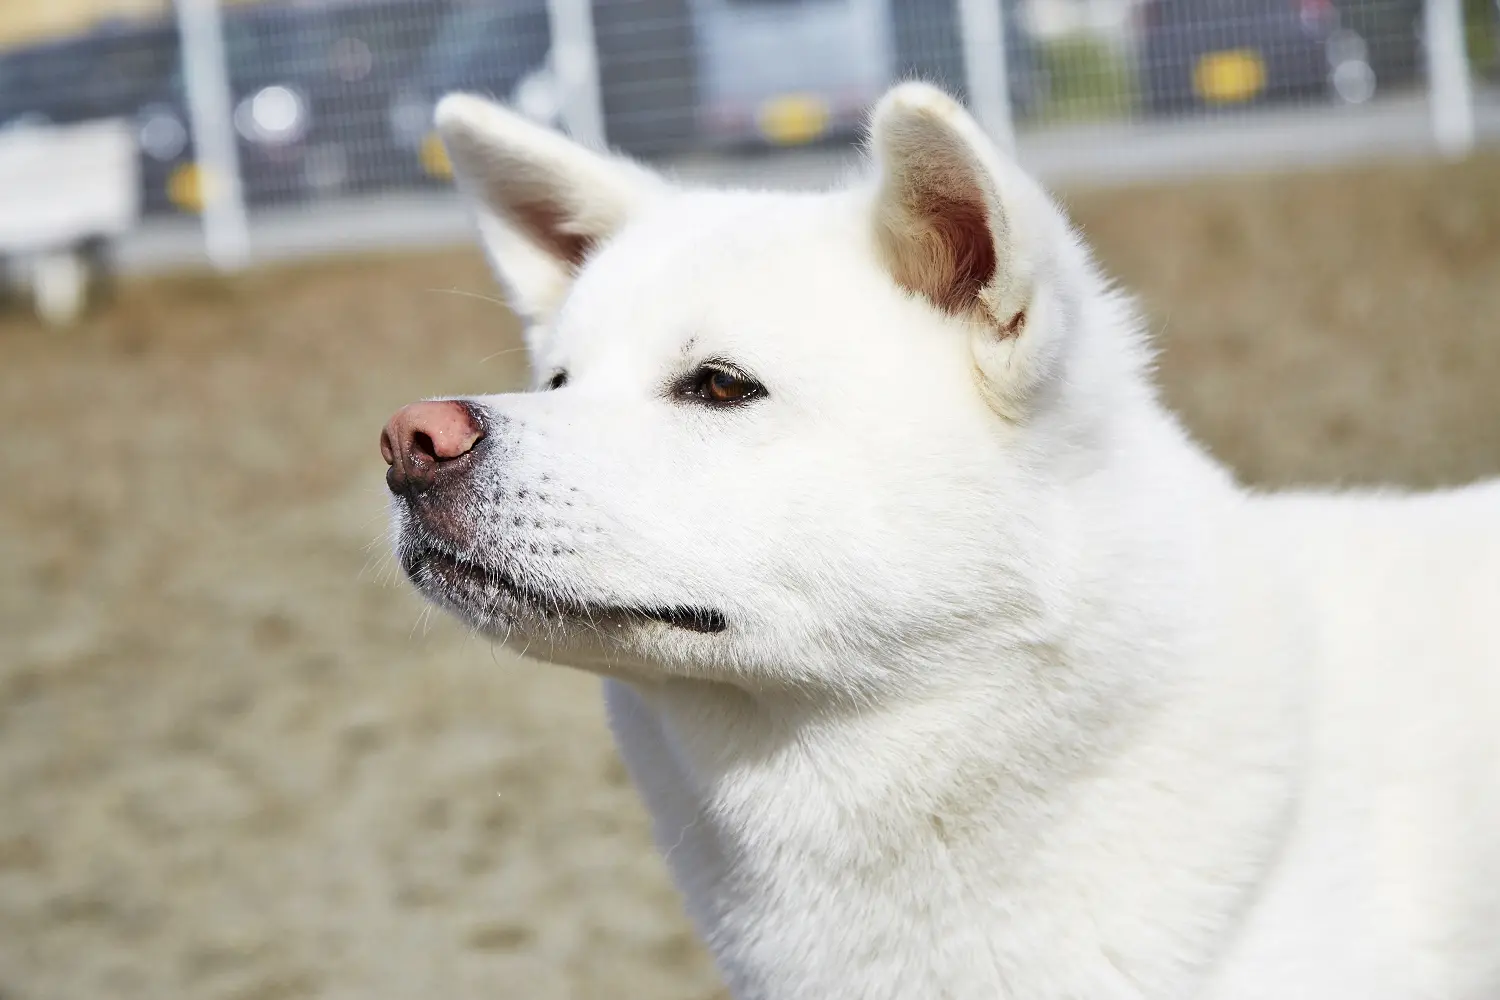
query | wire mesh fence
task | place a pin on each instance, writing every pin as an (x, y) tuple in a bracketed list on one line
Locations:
[(335, 97)]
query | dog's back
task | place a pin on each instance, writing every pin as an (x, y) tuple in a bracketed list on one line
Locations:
[(1401, 804)]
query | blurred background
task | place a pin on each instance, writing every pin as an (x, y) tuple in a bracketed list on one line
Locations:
[(238, 759)]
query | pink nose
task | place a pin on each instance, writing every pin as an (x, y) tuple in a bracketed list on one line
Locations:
[(422, 440)]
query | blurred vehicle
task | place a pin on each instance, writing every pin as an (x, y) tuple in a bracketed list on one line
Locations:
[(1396, 33), (787, 72), (310, 86), (368, 47), (108, 71), (929, 46), (680, 73), (647, 74), (1392, 30), (651, 74), (1222, 53), (488, 47)]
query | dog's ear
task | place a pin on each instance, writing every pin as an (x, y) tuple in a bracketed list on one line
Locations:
[(545, 202), (961, 225)]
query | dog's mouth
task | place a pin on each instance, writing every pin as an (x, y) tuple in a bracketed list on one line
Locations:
[(486, 591)]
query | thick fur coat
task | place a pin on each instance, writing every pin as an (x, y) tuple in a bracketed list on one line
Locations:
[(947, 665)]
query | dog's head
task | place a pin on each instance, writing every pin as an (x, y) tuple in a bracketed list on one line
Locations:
[(772, 437)]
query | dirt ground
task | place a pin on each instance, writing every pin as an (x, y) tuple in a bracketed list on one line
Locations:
[(237, 760)]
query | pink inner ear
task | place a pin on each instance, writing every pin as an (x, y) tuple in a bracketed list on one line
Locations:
[(543, 221), (962, 230), (943, 248)]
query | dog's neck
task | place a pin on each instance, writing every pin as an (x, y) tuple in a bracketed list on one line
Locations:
[(939, 843)]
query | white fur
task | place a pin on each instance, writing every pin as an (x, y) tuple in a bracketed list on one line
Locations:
[(1020, 695)]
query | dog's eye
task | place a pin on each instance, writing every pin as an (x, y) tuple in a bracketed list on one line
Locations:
[(721, 386), (558, 380)]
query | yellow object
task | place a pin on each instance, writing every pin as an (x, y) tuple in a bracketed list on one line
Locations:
[(40, 20), (185, 187), (1230, 77), (434, 157), (793, 119)]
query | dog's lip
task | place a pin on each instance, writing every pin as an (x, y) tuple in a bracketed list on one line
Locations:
[(707, 621), (422, 555)]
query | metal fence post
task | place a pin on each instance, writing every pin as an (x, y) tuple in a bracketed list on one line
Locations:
[(1449, 86), (575, 60), (226, 231), (982, 26)]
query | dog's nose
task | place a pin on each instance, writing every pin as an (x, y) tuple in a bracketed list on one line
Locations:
[(423, 439)]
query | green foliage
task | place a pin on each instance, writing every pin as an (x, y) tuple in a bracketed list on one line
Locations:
[(1481, 27), (1087, 80)]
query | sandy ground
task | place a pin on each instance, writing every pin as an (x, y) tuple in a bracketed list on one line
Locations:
[(237, 760)]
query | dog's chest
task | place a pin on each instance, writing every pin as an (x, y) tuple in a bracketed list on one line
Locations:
[(792, 915), (799, 897)]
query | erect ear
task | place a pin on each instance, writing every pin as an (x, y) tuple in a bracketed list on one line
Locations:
[(545, 202), (962, 226)]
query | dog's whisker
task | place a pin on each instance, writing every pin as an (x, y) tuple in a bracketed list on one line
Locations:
[(467, 294)]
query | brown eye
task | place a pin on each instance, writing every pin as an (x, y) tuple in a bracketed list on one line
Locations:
[(725, 388), (721, 386), (558, 380)]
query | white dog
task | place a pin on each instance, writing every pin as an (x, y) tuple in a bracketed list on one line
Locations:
[(947, 665)]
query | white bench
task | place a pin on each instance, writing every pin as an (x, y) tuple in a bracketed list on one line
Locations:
[(67, 192)]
